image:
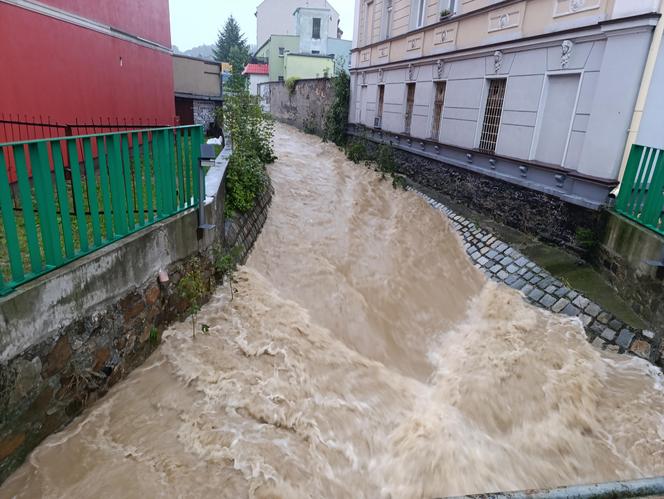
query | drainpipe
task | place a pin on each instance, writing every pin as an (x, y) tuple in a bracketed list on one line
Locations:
[(634, 488), (655, 46)]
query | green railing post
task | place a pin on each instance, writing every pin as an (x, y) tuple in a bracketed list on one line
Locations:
[(196, 139), (77, 190), (28, 210), (118, 196), (9, 222), (102, 155), (63, 199)]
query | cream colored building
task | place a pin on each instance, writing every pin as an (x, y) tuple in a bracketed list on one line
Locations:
[(275, 17), (537, 93)]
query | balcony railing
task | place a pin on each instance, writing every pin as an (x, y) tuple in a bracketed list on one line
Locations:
[(74, 195), (641, 196)]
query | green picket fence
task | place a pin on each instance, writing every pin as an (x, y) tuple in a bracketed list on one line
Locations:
[(641, 196), (74, 195)]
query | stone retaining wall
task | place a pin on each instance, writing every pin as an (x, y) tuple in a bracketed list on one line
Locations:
[(305, 108), (502, 263), (109, 316)]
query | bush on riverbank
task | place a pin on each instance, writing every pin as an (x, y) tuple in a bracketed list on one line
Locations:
[(251, 132), (336, 120), (379, 157)]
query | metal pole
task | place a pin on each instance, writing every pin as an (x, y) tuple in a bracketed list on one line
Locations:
[(633, 488)]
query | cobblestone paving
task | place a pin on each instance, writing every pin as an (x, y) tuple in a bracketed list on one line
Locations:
[(502, 263)]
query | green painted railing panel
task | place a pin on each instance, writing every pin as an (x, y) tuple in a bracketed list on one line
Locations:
[(63, 199), (74, 195), (641, 196)]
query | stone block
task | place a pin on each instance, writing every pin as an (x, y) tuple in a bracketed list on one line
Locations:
[(522, 261), (527, 289), (581, 302), (482, 261), (548, 301), (152, 294), (560, 305), (608, 334), (562, 291), (502, 275), (648, 334), (586, 320), (625, 338), (604, 317), (641, 348), (132, 306), (57, 358), (571, 310), (512, 269), (519, 284), (593, 309), (536, 294)]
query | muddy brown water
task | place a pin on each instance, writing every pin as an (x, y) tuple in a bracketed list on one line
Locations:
[(363, 356)]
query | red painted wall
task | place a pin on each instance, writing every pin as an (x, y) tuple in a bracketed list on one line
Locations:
[(57, 69)]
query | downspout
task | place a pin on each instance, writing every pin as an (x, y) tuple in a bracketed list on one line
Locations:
[(640, 105)]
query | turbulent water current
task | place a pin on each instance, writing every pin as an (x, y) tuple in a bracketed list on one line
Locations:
[(362, 356)]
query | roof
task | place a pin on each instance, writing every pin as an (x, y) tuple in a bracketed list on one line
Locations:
[(207, 61), (256, 69)]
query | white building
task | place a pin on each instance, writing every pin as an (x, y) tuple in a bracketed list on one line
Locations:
[(275, 17)]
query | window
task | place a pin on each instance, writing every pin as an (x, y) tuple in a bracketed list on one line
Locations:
[(492, 114), (379, 112), (387, 27), (281, 51), (421, 13), (410, 101), (315, 31), (438, 109), (315, 52), (280, 78), (447, 7), (368, 23)]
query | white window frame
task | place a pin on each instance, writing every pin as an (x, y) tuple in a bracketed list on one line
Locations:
[(421, 13)]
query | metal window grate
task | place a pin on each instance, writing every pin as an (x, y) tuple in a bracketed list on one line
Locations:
[(492, 114), (410, 102), (438, 109)]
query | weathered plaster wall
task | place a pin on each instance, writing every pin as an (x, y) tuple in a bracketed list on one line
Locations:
[(305, 108)]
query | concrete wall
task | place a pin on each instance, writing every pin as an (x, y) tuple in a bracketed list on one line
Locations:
[(255, 80), (623, 255), (305, 108), (196, 76), (102, 316), (271, 52), (304, 21), (307, 66), (275, 17)]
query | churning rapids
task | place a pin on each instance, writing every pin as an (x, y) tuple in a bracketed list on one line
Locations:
[(362, 356)]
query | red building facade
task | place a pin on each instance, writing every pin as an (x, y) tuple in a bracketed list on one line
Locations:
[(84, 61)]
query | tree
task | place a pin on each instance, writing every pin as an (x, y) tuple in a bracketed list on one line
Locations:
[(238, 59), (230, 36)]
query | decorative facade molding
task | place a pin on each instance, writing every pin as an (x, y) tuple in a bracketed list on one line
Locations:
[(566, 49), (498, 57)]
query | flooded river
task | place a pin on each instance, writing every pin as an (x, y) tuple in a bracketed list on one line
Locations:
[(363, 356)]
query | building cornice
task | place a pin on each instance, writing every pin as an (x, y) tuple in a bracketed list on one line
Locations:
[(86, 23), (591, 31)]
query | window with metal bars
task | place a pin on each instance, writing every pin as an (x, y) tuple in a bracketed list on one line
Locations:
[(315, 31), (438, 109), (410, 102), (492, 114)]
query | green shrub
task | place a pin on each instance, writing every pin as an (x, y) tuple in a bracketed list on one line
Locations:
[(291, 84), (192, 289), (251, 131), (336, 120), (356, 151)]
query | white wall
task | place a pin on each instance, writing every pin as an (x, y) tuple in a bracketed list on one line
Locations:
[(275, 17)]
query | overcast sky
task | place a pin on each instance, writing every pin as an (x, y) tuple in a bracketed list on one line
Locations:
[(196, 22)]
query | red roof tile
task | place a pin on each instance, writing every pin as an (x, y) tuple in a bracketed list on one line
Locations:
[(256, 69)]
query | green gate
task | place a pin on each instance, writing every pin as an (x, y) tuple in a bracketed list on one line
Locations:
[(641, 196), (63, 198)]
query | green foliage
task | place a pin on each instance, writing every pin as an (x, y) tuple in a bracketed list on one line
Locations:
[(251, 132), (192, 288), (290, 84), (226, 263), (154, 336), (586, 238), (336, 120), (230, 36), (237, 83), (356, 150)]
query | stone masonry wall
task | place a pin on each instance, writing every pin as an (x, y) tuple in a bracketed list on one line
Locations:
[(529, 211), (305, 108), (45, 386)]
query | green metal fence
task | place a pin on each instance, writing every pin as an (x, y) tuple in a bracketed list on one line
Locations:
[(641, 196), (75, 195)]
